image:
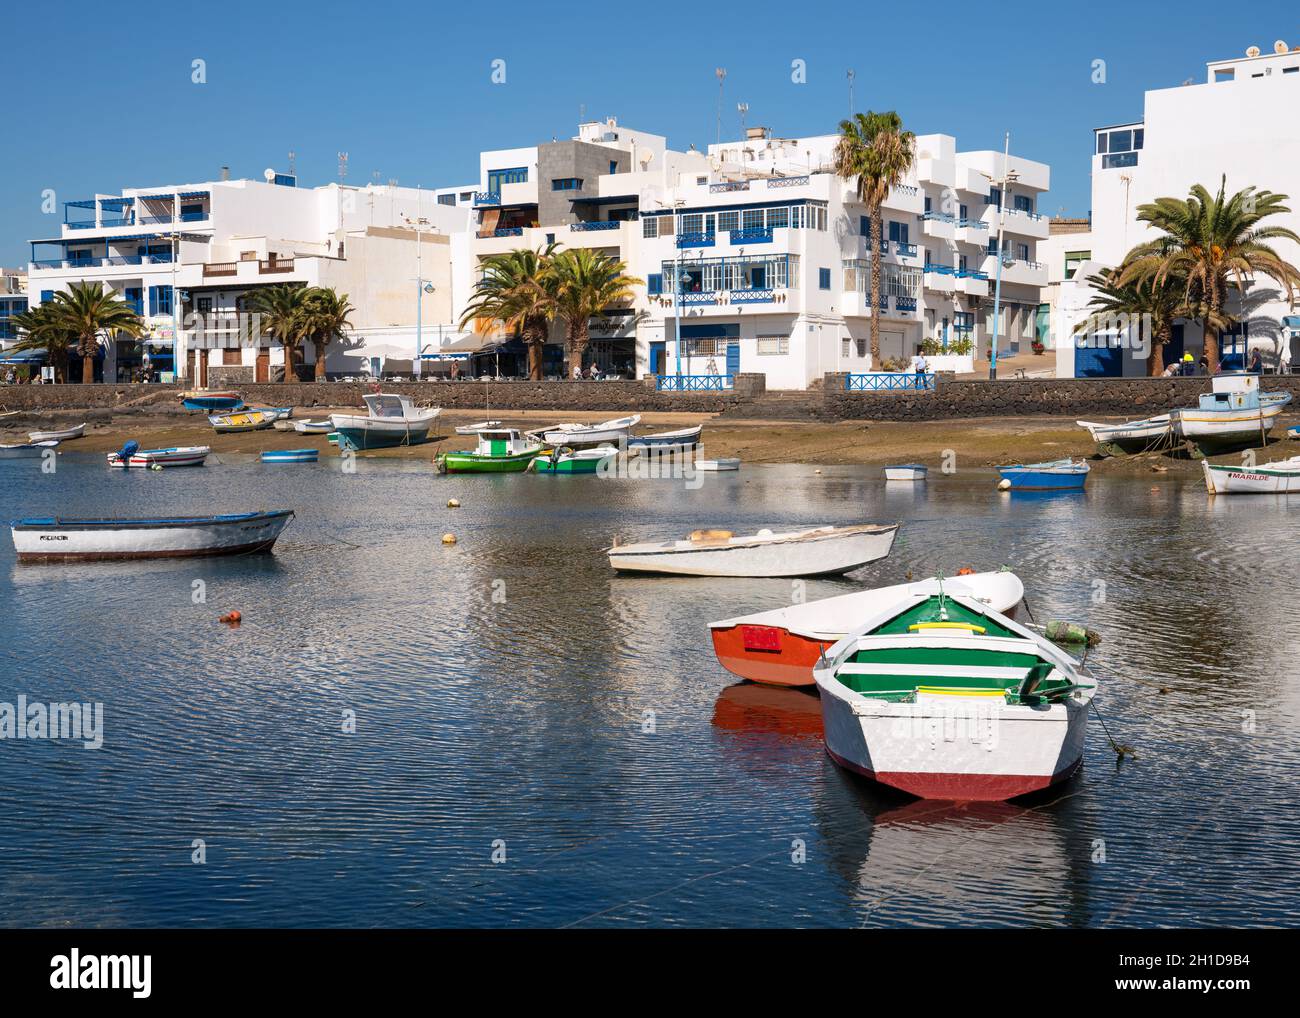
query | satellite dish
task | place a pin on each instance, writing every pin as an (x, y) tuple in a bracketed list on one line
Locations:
[(647, 157), (269, 174), (1280, 47), (1253, 51)]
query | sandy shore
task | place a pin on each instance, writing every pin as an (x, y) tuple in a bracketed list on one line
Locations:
[(979, 442)]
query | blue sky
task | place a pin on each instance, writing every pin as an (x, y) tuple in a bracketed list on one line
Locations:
[(102, 97)]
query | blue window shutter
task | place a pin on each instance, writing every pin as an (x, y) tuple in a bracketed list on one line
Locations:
[(824, 278), (655, 283), (864, 225), (47, 296)]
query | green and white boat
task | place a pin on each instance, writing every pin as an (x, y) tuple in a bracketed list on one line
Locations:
[(501, 451), (574, 461)]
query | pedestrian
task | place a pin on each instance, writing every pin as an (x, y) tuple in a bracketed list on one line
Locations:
[(1256, 363), (921, 366), (1203, 365)]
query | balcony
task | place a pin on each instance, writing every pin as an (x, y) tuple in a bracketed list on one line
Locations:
[(595, 225), (728, 186), (194, 217), (47, 263), (907, 304), (753, 296), (905, 250), (776, 182), (940, 225), (695, 239), (752, 235), (1021, 272), (1022, 222), (266, 266), (220, 269), (699, 297), (940, 278), (482, 198), (508, 231)]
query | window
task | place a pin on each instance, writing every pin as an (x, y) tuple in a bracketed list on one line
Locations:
[(550, 238), (778, 218), (1024, 203), (992, 249), (1022, 252), (823, 279), (728, 221), (927, 203), (864, 225), (702, 347), (446, 199), (613, 166), (1290, 70), (567, 184), (1119, 159), (995, 197), (650, 226), (773, 346), (1073, 259), (654, 283), (898, 233), (47, 296), (160, 300), (466, 195), (752, 219), (1139, 137), (964, 214)]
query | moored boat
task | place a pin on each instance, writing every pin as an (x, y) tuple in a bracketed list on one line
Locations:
[(942, 697), (244, 420), (816, 551), (390, 420), (781, 646), (1233, 413), (573, 461), (906, 472), (1279, 476), (684, 438), (1131, 436), (321, 427), (607, 432), (290, 455), (65, 539), (65, 435), (474, 429), (210, 401), (501, 451), (26, 450), (1057, 475), (131, 455), (717, 465)]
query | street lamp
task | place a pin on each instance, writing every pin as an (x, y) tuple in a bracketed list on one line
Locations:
[(1003, 183)]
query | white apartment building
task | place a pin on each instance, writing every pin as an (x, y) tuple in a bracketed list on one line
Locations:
[(769, 250), (187, 256), (1240, 123)]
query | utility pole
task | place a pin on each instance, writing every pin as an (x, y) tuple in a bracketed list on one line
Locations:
[(851, 76), (721, 72), (1003, 184)]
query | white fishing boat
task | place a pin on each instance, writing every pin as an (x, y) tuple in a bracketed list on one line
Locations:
[(474, 429), (64, 539), (716, 465), (781, 646), (25, 450), (817, 551), (243, 420), (1233, 413), (942, 697), (65, 435), (306, 427), (605, 433), (683, 438), (1279, 476), (906, 472), (391, 420), (1131, 436), (131, 455)]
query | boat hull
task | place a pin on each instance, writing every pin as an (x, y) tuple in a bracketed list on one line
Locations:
[(780, 647), (577, 464), (1133, 436), (1043, 480), (473, 463), (103, 540), (1225, 427), (66, 435), (184, 456), (828, 555), (291, 456), (361, 432), (252, 420), (964, 750), (687, 438), (906, 473), (1262, 480), (25, 451), (212, 403)]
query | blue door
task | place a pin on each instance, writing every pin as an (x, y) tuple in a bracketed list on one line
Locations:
[(733, 358), (657, 358), (1098, 362)]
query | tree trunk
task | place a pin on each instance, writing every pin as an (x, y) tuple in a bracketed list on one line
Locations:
[(1156, 362), (87, 368), (580, 343), (1210, 340), (320, 361), (874, 212), (290, 367)]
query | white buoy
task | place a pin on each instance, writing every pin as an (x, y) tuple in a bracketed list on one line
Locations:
[(448, 538), (1004, 485), (453, 503)]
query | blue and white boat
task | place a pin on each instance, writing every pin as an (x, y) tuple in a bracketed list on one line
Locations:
[(1233, 412), (64, 539), (210, 401), (1057, 475), (290, 456), (906, 472), (685, 438)]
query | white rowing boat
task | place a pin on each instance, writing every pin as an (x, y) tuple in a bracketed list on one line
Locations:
[(781, 646), (1131, 436), (942, 697), (474, 429), (63, 539), (817, 551), (717, 465), (25, 450), (321, 427), (1279, 476), (65, 435), (683, 438), (906, 472), (606, 433)]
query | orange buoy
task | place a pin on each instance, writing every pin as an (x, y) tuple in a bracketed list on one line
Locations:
[(231, 618), (965, 571)]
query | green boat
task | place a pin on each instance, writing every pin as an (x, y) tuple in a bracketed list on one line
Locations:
[(503, 451), (569, 461)]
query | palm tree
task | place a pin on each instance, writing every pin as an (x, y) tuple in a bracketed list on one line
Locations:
[(86, 310), (42, 330), (284, 317), (327, 320), (587, 282), (1209, 243), (1137, 298), (517, 289), (876, 153)]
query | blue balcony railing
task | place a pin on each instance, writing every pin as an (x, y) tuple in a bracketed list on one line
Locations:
[(48, 263), (943, 270), (905, 303), (937, 217), (700, 297), (786, 182), (594, 225), (487, 198), (82, 224), (972, 224), (694, 383), (889, 381), (752, 235), (906, 250), (972, 274), (193, 217), (508, 231), (753, 296), (125, 260), (727, 186), (154, 220), (695, 240)]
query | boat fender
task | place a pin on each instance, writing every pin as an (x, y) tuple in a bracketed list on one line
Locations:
[(1004, 485), (448, 538), (453, 503), (1071, 632), (231, 618)]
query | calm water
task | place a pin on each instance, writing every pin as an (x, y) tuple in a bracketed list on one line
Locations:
[(501, 686)]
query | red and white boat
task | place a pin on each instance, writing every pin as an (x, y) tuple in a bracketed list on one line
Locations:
[(781, 646), (179, 456)]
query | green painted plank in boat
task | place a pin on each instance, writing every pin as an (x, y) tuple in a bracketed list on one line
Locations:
[(933, 610), (973, 655)]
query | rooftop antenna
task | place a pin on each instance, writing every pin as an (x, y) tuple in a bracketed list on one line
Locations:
[(851, 77), (721, 72), (375, 175), (292, 157), (343, 167), (742, 109)]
